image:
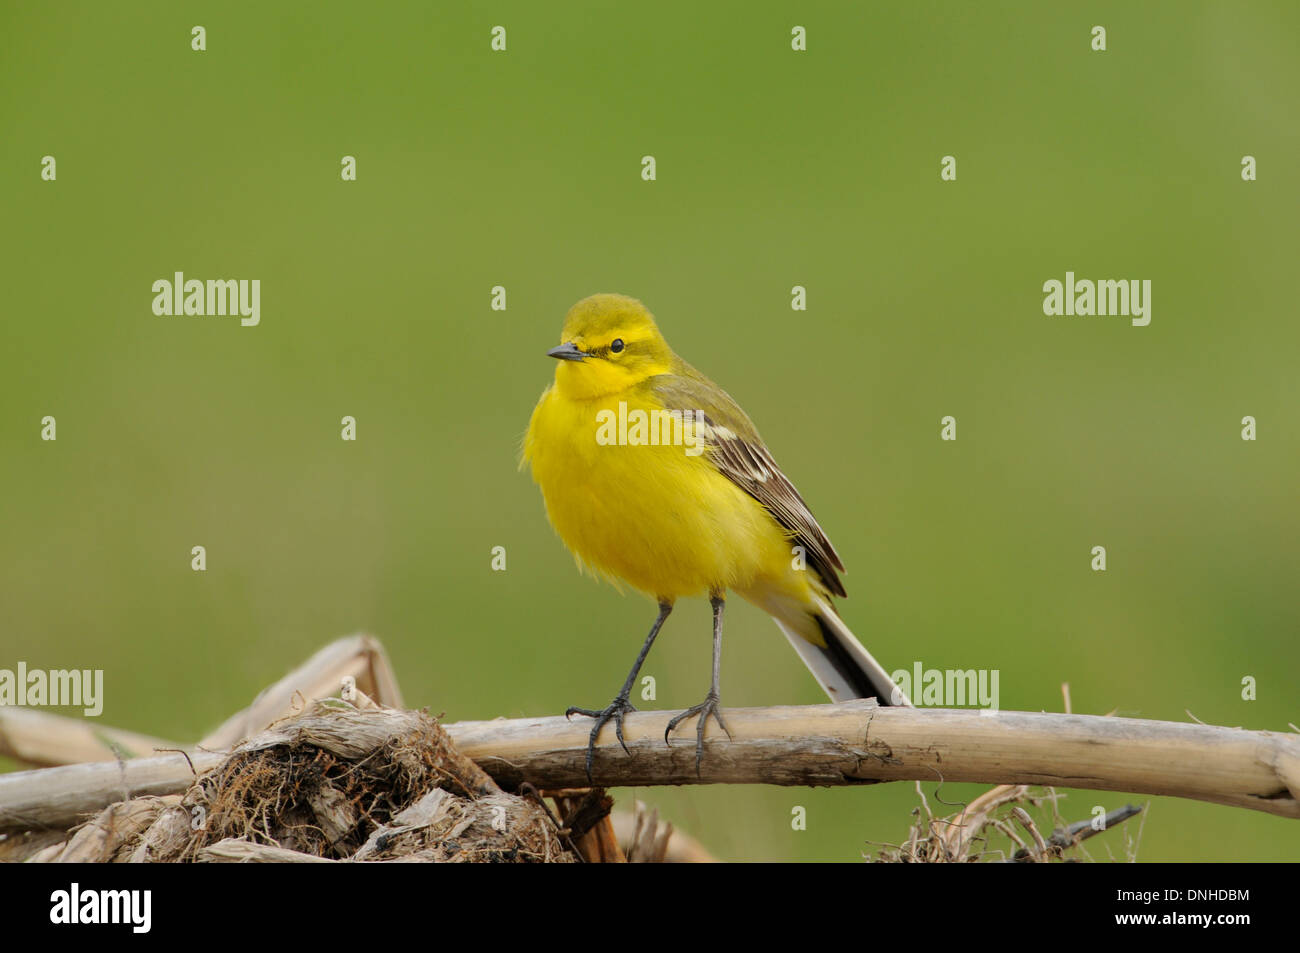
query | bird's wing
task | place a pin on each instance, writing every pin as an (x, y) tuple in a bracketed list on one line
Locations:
[(733, 446)]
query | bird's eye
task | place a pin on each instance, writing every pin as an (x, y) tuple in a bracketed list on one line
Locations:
[(616, 345)]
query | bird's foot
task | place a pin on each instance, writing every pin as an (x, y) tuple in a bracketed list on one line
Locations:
[(616, 711), (703, 710)]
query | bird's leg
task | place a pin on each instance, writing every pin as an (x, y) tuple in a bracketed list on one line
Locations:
[(710, 704), (620, 706)]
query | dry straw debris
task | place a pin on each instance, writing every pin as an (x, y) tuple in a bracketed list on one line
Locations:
[(986, 830), (334, 783)]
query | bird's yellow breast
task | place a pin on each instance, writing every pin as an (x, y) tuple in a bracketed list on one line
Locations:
[(657, 517)]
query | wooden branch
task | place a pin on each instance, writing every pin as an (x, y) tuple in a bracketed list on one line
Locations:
[(41, 738), (856, 742), (848, 743), (63, 796)]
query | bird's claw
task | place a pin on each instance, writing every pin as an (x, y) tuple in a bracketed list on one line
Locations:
[(617, 710), (710, 706)]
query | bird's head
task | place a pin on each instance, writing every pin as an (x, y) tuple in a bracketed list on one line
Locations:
[(610, 342)]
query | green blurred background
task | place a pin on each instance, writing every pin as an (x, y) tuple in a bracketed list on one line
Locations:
[(775, 168)]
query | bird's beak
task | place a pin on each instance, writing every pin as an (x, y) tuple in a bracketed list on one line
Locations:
[(567, 352)]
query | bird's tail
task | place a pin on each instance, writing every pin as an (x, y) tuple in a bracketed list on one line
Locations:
[(842, 666)]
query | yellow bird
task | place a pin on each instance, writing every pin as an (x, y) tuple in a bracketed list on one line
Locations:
[(653, 476)]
